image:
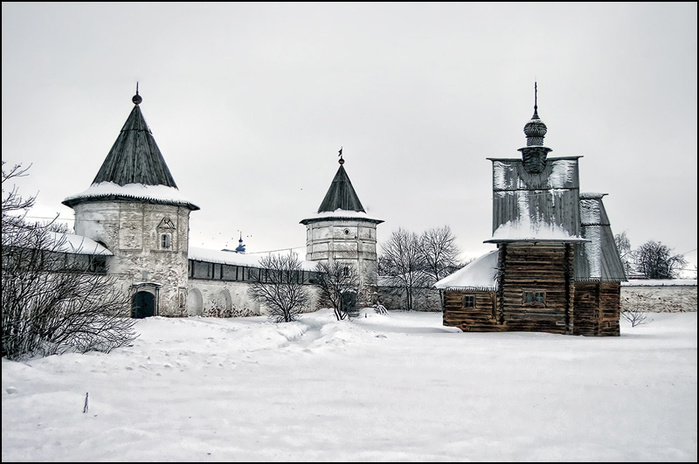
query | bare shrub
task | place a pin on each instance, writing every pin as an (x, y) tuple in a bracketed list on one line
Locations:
[(334, 280), (54, 301), (279, 287), (632, 309)]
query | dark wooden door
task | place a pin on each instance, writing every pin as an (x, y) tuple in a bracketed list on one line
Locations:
[(143, 305)]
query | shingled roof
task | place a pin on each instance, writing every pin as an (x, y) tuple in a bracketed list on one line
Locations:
[(133, 169), (341, 195), (135, 157)]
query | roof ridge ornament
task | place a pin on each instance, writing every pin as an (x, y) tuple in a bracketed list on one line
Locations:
[(535, 129), (534, 154), (137, 98)]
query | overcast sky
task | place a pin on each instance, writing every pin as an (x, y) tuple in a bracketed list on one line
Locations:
[(250, 103)]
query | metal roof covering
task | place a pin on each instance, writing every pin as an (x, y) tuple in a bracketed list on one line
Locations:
[(598, 259), (537, 202)]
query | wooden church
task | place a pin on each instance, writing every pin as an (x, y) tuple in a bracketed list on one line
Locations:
[(556, 267)]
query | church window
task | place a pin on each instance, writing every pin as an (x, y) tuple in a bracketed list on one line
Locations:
[(166, 229)]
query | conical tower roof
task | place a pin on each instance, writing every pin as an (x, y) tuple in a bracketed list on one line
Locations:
[(135, 157), (341, 195), (133, 169)]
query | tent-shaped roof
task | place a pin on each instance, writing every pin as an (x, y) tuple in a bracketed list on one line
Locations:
[(133, 169), (135, 157), (341, 195)]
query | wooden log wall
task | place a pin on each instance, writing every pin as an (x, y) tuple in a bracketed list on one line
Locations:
[(582, 308), (586, 312), (537, 267), (597, 308), (610, 308), (479, 318)]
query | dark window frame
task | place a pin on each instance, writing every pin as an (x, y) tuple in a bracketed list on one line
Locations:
[(469, 301), (534, 297)]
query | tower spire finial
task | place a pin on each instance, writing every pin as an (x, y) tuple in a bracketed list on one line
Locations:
[(137, 98), (535, 100), (341, 160)]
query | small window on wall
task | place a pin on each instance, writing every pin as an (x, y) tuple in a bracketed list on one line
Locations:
[(534, 298), (469, 301), (165, 241)]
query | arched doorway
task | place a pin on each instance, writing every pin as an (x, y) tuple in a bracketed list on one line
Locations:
[(143, 305)]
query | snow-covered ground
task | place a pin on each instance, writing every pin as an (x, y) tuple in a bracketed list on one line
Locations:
[(399, 387)]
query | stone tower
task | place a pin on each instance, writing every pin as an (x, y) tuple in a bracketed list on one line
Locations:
[(342, 232), (135, 209)]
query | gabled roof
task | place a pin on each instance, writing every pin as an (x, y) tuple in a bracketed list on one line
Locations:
[(479, 275), (341, 195), (135, 157)]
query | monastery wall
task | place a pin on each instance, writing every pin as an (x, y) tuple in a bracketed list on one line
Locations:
[(216, 298), (663, 297)]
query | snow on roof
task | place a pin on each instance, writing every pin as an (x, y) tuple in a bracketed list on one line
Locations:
[(76, 244), (341, 214), (159, 193), (524, 229), (525, 219), (237, 259), (659, 283), (480, 274)]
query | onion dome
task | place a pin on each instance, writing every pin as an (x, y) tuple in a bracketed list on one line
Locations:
[(535, 129), (534, 154)]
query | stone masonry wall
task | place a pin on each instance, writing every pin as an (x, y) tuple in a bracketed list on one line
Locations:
[(659, 298)]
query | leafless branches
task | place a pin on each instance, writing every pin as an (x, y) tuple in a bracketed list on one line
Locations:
[(53, 302), (334, 280), (656, 261), (281, 292), (415, 262), (632, 309)]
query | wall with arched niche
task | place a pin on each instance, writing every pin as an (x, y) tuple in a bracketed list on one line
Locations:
[(195, 302), (212, 298)]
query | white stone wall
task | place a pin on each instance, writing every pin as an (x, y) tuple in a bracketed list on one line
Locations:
[(132, 231), (660, 298), (217, 298), (424, 299)]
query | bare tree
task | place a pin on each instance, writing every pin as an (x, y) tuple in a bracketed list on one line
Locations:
[(623, 244), (402, 262), (439, 252), (335, 280), (53, 301), (656, 261), (280, 288), (633, 310)]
